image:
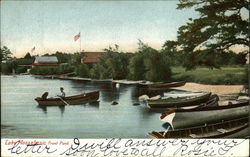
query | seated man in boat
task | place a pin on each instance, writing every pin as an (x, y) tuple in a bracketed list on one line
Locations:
[(63, 93)]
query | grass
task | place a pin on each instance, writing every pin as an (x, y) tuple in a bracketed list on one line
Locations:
[(233, 75)]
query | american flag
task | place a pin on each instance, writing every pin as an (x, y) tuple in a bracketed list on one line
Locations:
[(76, 37), (33, 49)]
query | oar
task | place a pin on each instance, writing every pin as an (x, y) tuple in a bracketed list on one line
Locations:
[(63, 100)]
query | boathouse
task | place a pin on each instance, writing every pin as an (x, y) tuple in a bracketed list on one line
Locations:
[(45, 61), (91, 57)]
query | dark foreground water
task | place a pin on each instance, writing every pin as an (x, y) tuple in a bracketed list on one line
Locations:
[(22, 118)]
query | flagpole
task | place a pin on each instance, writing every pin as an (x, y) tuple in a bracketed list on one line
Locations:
[(80, 41)]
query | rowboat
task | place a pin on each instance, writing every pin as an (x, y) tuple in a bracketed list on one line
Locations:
[(167, 85), (160, 85), (232, 128), (178, 102), (181, 118), (71, 100)]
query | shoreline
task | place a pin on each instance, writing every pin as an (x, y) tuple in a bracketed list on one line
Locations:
[(225, 92)]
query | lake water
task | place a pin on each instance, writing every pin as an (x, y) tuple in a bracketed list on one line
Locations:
[(23, 118)]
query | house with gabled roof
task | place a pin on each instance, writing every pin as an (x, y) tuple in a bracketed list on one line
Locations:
[(45, 60)]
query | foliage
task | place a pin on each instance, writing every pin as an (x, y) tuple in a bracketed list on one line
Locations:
[(76, 58), (95, 71), (219, 27), (137, 68), (5, 54), (82, 70), (65, 68), (52, 70), (113, 64), (27, 56), (232, 75), (149, 64), (6, 68), (246, 78), (170, 49)]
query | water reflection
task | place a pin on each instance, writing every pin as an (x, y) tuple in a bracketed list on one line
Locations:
[(44, 108), (91, 120), (45, 111), (62, 109), (95, 104)]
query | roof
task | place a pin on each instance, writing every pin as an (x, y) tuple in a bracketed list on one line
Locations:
[(46, 60), (92, 57)]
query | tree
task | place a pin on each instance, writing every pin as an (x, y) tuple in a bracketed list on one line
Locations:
[(5, 53), (149, 64), (82, 70), (27, 56), (220, 26), (170, 49), (76, 58), (137, 68), (114, 63)]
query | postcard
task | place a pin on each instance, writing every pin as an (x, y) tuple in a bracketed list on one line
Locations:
[(125, 78)]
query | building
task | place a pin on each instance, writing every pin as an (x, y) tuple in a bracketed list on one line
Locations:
[(91, 57), (46, 61)]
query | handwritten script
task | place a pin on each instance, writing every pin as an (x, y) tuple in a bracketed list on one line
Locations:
[(127, 147)]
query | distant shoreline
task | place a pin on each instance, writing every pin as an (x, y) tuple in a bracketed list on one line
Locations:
[(225, 92)]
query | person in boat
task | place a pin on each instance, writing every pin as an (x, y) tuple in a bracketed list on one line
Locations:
[(62, 93)]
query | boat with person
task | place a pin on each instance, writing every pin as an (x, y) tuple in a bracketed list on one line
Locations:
[(181, 118), (177, 102), (70, 100), (230, 129)]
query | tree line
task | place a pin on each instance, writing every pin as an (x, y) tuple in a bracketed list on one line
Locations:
[(205, 41), (146, 63)]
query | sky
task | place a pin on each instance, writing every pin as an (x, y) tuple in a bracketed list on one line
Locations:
[(50, 26)]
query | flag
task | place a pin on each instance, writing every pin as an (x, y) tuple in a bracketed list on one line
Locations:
[(33, 49), (76, 37)]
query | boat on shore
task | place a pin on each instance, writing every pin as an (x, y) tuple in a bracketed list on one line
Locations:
[(162, 85), (232, 128), (167, 85), (181, 118), (178, 102), (70, 100)]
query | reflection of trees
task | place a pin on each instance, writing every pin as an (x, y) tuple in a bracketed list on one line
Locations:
[(110, 92)]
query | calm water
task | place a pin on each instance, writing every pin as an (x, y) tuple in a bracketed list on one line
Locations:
[(22, 118)]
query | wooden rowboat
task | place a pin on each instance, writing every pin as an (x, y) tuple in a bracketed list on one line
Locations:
[(181, 118), (71, 100), (231, 128), (179, 102), (162, 85), (167, 85)]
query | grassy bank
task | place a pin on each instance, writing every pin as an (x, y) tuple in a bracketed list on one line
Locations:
[(226, 75)]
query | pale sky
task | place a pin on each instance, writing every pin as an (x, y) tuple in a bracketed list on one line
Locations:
[(50, 26)]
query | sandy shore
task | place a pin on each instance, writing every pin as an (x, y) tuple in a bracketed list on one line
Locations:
[(225, 92)]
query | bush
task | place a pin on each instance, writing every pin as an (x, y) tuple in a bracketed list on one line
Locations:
[(82, 70), (95, 71)]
